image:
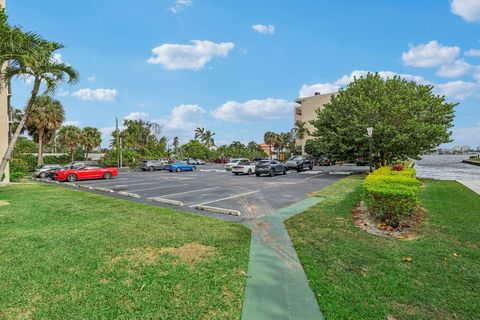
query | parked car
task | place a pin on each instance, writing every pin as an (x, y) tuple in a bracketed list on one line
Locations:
[(81, 171), (270, 167), (180, 166), (150, 165), (245, 167), (47, 170), (299, 163), (195, 161), (324, 161), (234, 162), (361, 162)]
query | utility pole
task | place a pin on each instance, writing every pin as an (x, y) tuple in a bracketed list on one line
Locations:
[(121, 154)]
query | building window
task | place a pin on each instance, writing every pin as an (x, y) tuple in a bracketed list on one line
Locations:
[(298, 111)]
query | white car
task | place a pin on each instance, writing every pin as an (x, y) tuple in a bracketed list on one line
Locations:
[(234, 162), (245, 167)]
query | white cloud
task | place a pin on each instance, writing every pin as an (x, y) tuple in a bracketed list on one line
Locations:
[(459, 90), (92, 78), (96, 94), (467, 9), (189, 56), (323, 88), (107, 131), (136, 116), (455, 69), (182, 120), (264, 29), (472, 53), (432, 54), (63, 93), (179, 5), (72, 123), (254, 110)]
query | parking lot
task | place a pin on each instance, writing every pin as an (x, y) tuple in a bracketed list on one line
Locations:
[(210, 190)]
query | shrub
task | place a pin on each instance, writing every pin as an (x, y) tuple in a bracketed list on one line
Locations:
[(63, 159), (391, 194), (16, 176), (18, 166), (29, 159)]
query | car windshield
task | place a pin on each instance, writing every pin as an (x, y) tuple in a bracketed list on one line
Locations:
[(234, 160), (295, 158)]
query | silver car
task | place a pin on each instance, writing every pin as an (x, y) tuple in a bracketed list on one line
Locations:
[(47, 170)]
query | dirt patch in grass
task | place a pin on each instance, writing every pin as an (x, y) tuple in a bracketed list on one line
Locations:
[(4, 203), (189, 253), (407, 229)]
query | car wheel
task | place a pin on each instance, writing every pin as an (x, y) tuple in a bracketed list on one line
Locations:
[(272, 173), (299, 169), (71, 178), (150, 168), (257, 174), (235, 173), (284, 171), (311, 167), (42, 175), (249, 172), (107, 175), (178, 170)]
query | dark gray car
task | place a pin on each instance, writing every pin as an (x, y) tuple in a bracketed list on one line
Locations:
[(299, 163), (150, 165), (270, 167)]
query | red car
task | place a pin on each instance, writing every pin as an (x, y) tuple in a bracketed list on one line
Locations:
[(85, 171)]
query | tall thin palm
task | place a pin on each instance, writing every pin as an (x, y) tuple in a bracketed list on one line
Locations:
[(90, 139), (176, 145), (32, 58), (199, 133), (46, 116), (300, 132), (270, 138), (208, 140), (69, 138)]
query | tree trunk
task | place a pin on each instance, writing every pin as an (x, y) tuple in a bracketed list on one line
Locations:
[(40, 148), (86, 154), (384, 158), (270, 151), (72, 154), (8, 153)]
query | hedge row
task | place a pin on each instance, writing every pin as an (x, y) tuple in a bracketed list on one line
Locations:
[(391, 195)]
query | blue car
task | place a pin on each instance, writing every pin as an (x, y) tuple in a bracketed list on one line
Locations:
[(180, 166)]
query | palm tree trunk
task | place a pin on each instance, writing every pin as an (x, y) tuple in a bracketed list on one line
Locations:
[(270, 151), (40, 148), (72, 154), (8, 153)]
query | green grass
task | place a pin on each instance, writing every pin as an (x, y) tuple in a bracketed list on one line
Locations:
[(68, 254), (355, 275)]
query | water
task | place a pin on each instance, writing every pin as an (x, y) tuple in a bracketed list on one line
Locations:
[(446, 167)]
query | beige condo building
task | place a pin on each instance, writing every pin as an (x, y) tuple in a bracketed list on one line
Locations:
[(4, 99), (306, 111)]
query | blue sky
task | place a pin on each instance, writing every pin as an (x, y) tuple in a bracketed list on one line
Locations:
[(235, 67)]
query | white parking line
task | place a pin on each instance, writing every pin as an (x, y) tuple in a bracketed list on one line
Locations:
[(177, 193), (101, 181), (164, 187), (134, 184), (227, 198)]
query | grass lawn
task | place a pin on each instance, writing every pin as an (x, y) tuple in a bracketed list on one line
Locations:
[(355, 275), (68, 254)]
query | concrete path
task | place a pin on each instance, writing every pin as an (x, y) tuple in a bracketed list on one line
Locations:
[(277, 287), (473, 185)]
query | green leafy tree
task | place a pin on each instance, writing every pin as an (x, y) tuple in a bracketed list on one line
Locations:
[(408, 120), (25, 145), (90, 139), (29, 56), (46, 116), (208, 140), (69, 137), (195, 149), (270, 138), (301, 131)]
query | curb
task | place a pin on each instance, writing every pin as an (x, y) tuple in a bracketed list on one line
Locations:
[(129, 194), (218, 210), (167, 201), (102, 189)]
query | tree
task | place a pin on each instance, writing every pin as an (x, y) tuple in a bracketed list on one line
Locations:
[(208, 139), (270, 138), (195, 149), (176, 145), (69, 137), (16, 116), (46, 116), (300, 132), (90, 139), (407, 119), (29, 56), (199, 133)]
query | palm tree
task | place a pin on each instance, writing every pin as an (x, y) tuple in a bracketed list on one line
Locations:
[(176, 145), (208, 139), (15, 117), (270, 139), (46, 116), (90, 139), (300, 132), (69, 137), (30, 57), (199, 133)]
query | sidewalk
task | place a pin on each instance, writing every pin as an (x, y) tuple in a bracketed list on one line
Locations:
[(473, 185), (277, 287)]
